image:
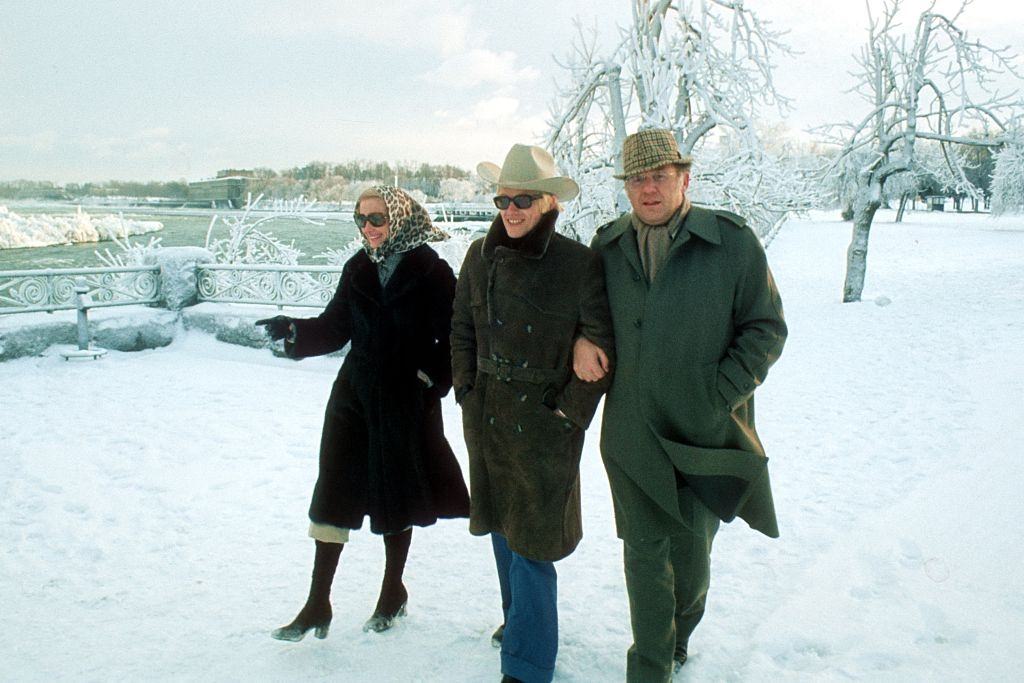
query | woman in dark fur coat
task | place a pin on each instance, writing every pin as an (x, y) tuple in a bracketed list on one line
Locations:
[(383, 453)]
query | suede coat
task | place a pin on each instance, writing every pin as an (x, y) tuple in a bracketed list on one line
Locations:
[(692, 346), (517, 314), (383, 452)]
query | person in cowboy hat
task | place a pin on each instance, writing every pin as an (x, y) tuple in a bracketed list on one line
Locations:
[(523, 295), (698, 321), (383, 454)]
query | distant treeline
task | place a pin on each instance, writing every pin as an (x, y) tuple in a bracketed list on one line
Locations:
[(320, 180), (44, 189), (338, 182)]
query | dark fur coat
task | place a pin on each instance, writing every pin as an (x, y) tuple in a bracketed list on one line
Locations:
[(383, 452)]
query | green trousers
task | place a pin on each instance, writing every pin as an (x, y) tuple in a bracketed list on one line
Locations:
[(667, 582)]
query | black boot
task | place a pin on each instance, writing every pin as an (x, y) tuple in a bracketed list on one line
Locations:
[(678, 657), (316, 613), (393, 595)]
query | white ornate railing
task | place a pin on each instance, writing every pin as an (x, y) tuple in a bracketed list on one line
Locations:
[(278, 285), (27, 291)]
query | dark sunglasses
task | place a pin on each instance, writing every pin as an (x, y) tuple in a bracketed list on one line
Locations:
[(376, 219), (522, 201)]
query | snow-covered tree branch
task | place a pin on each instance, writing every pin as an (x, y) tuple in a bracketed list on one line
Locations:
[(702, 68)]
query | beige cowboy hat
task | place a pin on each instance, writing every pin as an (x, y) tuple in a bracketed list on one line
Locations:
[(528, 167)]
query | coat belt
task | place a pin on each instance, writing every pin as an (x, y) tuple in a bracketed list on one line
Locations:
[(507, 372)]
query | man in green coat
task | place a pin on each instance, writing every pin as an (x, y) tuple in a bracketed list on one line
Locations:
[(698, 321)]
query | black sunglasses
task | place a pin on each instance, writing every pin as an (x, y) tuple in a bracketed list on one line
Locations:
[(376, 219), (522, 201)]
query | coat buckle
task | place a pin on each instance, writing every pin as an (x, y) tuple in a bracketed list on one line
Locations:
[(503, 370)]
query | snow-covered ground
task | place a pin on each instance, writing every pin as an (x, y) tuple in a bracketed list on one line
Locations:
[(42, 230), (153, 504)]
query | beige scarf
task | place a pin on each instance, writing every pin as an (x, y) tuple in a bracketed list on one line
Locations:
[(653, 241)]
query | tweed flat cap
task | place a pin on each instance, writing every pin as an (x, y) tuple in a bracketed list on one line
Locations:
[(649, 149)]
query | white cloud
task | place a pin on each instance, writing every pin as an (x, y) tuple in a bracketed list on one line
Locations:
[(150, 143), (36, 142), (443, 26), (159, 133), (495, 109), (477, 66)]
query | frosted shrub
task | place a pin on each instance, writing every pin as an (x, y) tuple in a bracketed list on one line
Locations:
[(1008, 180), (246, 243)]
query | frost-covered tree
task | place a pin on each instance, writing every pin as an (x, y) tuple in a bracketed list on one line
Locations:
[(419, 195), (353, 190), (931, 84), (457, 190), (931, 176), (1008, 180), (702, 68), (980, 166), (247, 241)]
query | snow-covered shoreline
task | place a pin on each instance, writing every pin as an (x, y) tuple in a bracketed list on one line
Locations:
[(153, 504), (43, 230)]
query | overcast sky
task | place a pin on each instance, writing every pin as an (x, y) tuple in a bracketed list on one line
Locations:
[(166, 90)]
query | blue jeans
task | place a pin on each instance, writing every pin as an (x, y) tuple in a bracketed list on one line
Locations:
[(529, 599)]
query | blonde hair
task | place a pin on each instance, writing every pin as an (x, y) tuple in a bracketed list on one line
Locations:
[(553, 202), (367, 194)]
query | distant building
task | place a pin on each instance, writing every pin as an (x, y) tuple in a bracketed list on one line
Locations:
[(228, 191), (463, 212)]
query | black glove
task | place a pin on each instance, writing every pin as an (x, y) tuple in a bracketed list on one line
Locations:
[(278, 327)]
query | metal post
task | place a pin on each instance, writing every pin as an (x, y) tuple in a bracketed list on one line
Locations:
[(83, 302)]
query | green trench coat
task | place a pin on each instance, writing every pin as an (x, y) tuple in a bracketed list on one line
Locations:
[(691, 347), (517, 314)]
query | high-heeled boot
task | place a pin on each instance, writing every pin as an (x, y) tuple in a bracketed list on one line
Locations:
[(316, 614), (393, 596)]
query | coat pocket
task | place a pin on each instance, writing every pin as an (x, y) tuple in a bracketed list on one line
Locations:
[(715, 400), (550, 431)]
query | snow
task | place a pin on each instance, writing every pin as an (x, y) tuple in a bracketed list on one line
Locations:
[(153, 504), (42, 230)]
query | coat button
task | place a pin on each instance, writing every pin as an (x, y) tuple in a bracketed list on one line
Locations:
[(522, 398), (519, 429), (490, 420), (636, 278), (638, 323), (529, 329)]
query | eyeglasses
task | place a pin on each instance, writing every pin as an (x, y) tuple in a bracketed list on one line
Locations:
[(522, 201), (376, 219), (659, 178)]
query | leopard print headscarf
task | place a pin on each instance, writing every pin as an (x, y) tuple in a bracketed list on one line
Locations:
[(410, 224)]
